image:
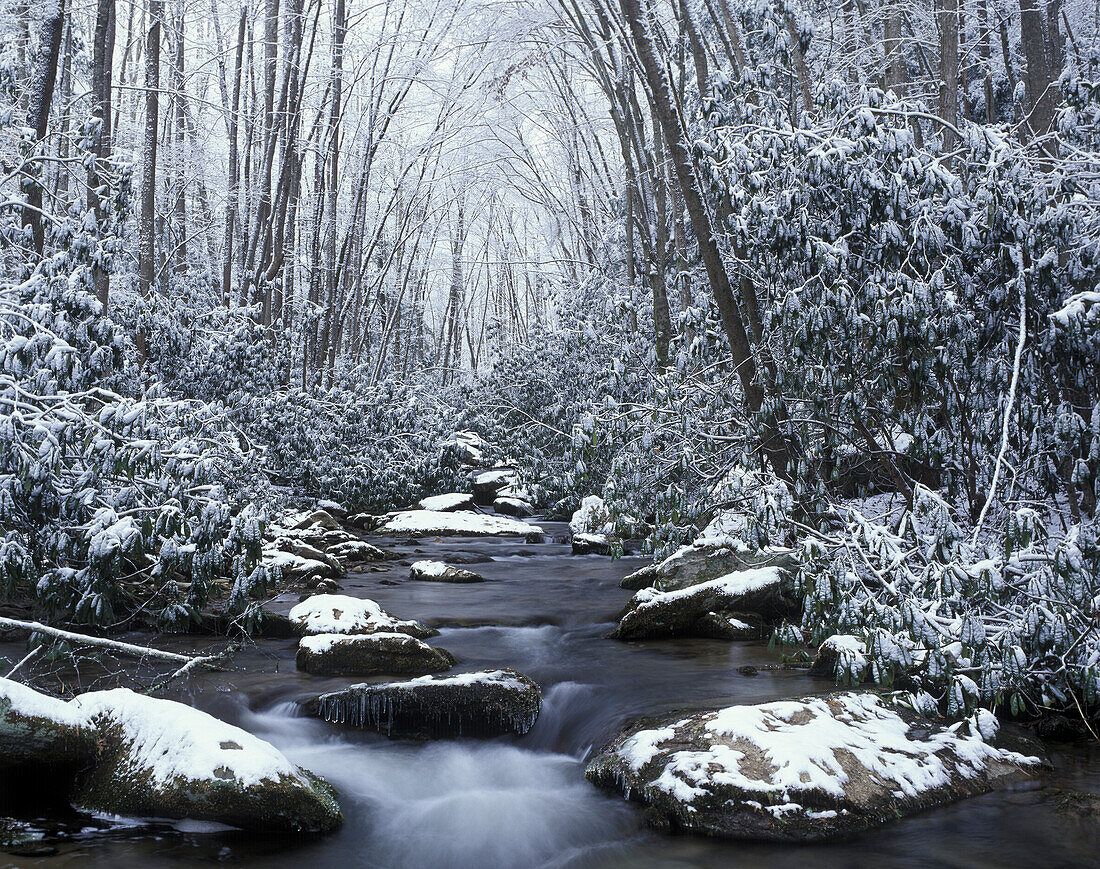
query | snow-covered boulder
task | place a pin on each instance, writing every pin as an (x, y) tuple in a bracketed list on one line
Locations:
[(370, 655), (316, 519), (298, 569), (592, 517), (488, 484), (729, 607), (799, 770), (451, 502), (704, 560), (438, 571), (485, 704), (428, 523), (512, 506), (40, 735), (356, 552), (158, 758), (342, 614), (591, 544)]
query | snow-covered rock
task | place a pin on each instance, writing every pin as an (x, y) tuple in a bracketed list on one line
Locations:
[(318, 519), (488, 484), (799, 770), (469, 446), (704, 560), (158, 758), (370, 655), (40, 734), (356, 552), (428, 523), (438, 571), (342, 614), (512, 506), (486, 703), (448, 503), (296, 568), (729, 607), (591, 544), (592, 517)]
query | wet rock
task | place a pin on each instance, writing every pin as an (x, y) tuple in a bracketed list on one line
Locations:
[(452, 502), (484, 704), (370, 655), (438, 571), (158, 758), (703, 561), (342, 614), (799, 770), (428, 523), (365, 521), (40, 737), (718, 608), (487, 485)]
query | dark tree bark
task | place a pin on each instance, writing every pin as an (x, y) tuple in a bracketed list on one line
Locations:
[(1039, 82), (147, 256), (38, 115), (102, 60), (234, 170)]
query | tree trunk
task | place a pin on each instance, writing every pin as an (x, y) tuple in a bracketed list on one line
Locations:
[(1040, 91), (949, 70), (234, 171), (38, 115), (147, 256), (102, 60)]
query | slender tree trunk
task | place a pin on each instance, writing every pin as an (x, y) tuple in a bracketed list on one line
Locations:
[(147, 257), (102, 60), (38, 115), (986, 54), (179, 203), (233, 191), (1039, 83), (949, 70)]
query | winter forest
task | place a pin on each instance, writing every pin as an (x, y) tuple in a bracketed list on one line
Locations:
[(549, 433)]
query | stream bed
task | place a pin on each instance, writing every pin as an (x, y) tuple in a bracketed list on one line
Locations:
[(524, 802)]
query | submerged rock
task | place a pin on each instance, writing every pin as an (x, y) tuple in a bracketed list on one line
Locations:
[(719, 608), (370, 655), (450, 503), (158, 758), (485, 704), (429, 523), (702, 561), (799, 770), (341, 614), (40, 735), (438, 571)]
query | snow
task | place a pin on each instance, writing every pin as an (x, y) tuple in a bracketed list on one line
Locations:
[(289, 563), (591, 518), (22, 700), (803, 743), (173, 741), (430, 522), (341, 614), (478, 677), (500, 475), (736, 583), (429, 568), (442, 503), (319, 644)]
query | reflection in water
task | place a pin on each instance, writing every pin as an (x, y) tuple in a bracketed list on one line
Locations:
[(517, 803)]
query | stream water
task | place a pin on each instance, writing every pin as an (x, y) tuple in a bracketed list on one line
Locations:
[(524, 802)]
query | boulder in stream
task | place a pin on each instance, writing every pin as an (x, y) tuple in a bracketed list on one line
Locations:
[(802, 770), (438, 571), (376, 654), (162, 759), (488, 484), (451, 502), (40, 736), (510, 506), (429, 523), (483, 704), (705, 560), (342, 614), (741, 601)]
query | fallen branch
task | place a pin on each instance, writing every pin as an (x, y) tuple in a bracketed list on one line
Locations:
[(187, 662)]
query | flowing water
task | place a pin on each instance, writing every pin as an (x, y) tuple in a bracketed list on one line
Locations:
[(524, 802)]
